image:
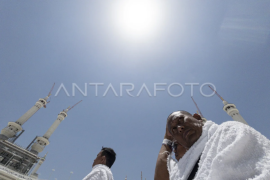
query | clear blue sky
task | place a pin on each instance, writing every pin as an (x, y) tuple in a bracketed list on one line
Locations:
[(226, 43)]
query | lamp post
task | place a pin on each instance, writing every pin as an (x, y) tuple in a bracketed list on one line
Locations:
[(70, 175), (51, 173)]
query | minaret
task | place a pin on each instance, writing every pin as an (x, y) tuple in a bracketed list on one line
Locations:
[(14, 127), (231, 110), (198, 110), (43, 141), (126, 178), (34, 174)]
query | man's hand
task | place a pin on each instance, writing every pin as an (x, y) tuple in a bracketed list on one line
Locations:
[(168, 134)]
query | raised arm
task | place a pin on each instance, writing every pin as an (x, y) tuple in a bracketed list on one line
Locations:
[(161, 172)]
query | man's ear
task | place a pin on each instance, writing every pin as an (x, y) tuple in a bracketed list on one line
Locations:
[(103, 160), (197, 116)]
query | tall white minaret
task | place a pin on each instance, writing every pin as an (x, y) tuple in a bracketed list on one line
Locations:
[(231, 110), (43, 141), (40, 162), (14, 127)]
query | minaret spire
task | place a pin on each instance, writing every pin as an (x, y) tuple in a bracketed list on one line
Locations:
[(74, 105), (198, 110), (216, 93), (14, 127), (230, 109), (41, 142), (51, 90)]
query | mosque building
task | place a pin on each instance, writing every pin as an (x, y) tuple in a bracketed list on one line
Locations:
[(18, 163)]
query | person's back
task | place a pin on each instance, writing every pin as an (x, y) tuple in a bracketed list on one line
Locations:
[(99, 172), (101, 165)]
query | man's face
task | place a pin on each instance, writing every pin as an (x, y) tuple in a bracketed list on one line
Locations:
[(184, 128), (99, 159)]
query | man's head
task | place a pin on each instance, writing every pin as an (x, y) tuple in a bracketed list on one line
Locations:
[(106, 157), (184, 127)]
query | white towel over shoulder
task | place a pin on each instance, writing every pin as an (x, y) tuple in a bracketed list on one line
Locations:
[(99, 172), (230, 151)]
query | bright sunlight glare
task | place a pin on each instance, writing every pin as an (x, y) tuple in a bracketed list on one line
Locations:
[(138, 19)]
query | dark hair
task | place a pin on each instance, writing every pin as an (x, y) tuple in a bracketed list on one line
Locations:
[(109, 154)]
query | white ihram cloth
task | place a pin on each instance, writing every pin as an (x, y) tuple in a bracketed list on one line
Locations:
[(100, 172), (230, 151)]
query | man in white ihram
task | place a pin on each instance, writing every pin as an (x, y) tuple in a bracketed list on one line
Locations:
[(101, 165), (207, 151)]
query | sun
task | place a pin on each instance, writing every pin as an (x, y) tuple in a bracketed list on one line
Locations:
[(137, 19)]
